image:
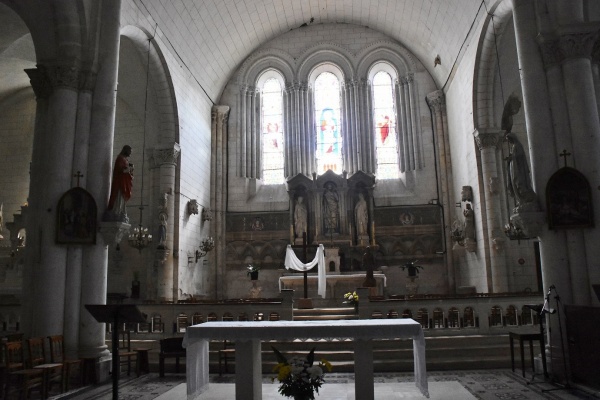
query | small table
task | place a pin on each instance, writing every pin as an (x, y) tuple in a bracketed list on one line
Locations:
[(296, 281), (522, 337)]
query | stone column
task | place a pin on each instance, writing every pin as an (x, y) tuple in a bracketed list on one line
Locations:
[(165, 159), (53, 173), (544, 156), (585, 130), (99, 171), (437, 104), (218, 197), (487, 142)]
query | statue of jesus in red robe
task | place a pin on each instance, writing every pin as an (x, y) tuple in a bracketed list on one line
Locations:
[(120, 190)]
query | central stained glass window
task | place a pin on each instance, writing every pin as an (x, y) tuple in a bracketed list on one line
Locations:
[(328, 123)]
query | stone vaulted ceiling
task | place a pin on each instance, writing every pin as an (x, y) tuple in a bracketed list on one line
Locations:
[(213, 37)]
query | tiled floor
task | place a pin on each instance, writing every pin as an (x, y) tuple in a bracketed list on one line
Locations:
[(444, 385)]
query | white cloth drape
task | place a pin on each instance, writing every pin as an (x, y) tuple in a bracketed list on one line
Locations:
[(292, 262)]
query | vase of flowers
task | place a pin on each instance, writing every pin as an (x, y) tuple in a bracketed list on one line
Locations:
[(413, 268), (300, 377), (352, 298), (252, 271)]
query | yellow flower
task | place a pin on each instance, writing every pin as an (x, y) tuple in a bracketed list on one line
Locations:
[(327, 364), (284, 372)]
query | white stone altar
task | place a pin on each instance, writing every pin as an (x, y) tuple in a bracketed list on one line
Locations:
[(248, 335), (351, 281)]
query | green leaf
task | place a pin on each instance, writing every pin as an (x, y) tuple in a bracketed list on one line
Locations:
[(311, 357), (280, 357)]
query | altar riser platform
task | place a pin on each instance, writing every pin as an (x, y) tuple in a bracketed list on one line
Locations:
[(443, 353)]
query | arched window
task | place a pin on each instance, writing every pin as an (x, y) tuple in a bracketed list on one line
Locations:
[(272, 132), (385, 126), (328, 121)]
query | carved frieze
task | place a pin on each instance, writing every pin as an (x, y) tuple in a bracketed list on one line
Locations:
[(577, 45)]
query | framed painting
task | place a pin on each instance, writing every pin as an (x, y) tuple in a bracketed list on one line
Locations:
[(569, 200), (76, 218)]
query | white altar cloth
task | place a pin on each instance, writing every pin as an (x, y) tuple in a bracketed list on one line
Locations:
[(249, 334)]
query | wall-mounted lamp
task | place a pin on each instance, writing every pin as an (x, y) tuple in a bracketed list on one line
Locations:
[(207, 245)]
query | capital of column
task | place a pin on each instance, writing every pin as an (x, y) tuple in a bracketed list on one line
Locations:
[(220, 114), (166, 155), (436, 100), (62, 75), (577, 45), (296, 85), (488, 138), (405, 80)]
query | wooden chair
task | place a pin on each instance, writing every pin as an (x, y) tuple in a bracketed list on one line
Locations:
[(19, 379), (57, 355), (126, 354), (227, 353), (170, 348), (53, 372)]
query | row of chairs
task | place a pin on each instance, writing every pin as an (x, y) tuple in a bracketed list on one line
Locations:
[(23, 374)]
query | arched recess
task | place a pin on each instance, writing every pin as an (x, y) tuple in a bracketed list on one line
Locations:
[(325, 53), (263, 60), (393, 53), (499, 15), (161, 81)]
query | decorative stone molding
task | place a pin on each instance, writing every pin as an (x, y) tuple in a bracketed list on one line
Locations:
[(113, 232), (487, 139), (166, 155)]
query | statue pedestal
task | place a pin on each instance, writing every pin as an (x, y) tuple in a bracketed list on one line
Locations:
[(412, 287), (305, 303)]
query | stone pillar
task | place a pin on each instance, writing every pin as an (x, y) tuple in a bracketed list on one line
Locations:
[(53, 173), (585, 130), (437, 104), (165, 159), (218, 196), (544, 156), (99, 171), (487, 142)]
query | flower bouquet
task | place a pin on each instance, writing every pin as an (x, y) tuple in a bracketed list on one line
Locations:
[(252, 271), (352, 298), (299, 377)]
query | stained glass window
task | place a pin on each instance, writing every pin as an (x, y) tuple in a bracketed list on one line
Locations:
[(327, 117), (272, 132), (385, 126)]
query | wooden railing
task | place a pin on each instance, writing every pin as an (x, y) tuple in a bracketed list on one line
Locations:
[(441, 315)]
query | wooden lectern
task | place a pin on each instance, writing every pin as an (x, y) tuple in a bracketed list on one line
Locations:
[(115, 314)]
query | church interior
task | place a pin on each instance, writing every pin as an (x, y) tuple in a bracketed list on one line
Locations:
[(443, 153)]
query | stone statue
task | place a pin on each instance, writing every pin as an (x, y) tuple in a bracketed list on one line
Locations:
[(163, 215), (121, 186), (300, 217), (162, 231), (331, 209), (361, 216), (469, 225), (518, 180)]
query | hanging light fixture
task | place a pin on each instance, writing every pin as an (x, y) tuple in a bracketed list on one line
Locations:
[(141, 238)]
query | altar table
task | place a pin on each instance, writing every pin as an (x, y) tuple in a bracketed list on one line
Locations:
[(248, 335), (292, 281)]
